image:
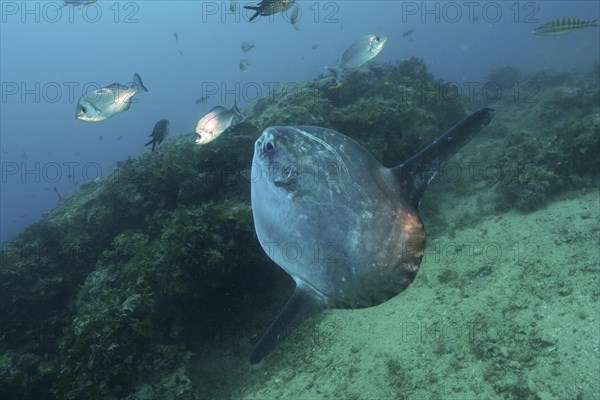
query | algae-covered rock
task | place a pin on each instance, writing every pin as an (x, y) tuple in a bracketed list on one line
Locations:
[(393, 110), (561, 153), (504, 77)]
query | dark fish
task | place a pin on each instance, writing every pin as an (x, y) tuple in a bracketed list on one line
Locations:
[(23, 155), (269, 7), (233, 6), (314, 46), (120, 137), (77, 3), (244, 64), (100, 137), (561, 26), (408, 32), (181, 53), (202, 99), (176, 36), (161, 129)]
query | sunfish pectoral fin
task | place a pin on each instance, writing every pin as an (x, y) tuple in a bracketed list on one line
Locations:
[(303, 303), (415, 174)]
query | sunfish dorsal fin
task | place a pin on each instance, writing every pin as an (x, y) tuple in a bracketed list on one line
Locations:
[(304, 302), (415, 174)]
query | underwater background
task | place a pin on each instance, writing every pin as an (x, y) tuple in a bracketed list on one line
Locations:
[(131, 274)]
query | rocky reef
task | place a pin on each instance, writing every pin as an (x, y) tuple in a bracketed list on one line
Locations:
[(554, 146), (113, 293)]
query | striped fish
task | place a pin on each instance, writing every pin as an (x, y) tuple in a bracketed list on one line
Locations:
[(561, 26)]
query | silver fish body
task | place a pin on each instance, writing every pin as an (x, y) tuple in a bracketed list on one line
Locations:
[(100, 104), (247, 46), (295, 15), (363, 50), (215, 122), (244, 64)]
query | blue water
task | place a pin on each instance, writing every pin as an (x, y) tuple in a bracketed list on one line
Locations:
[(50, 54)]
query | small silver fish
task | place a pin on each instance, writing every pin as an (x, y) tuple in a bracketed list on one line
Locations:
[(247, 46), (363, 50), (244, 64), (269, 7), (561, 26), (103, 103), (295, 15), (215, 122), (161, 129)]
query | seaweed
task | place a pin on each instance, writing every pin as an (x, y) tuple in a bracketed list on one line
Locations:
[(542, 166)]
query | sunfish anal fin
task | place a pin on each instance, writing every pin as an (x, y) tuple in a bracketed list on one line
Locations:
[(304, 302)]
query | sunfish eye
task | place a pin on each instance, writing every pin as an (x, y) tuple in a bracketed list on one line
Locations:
[(82, 109), (269, 147)]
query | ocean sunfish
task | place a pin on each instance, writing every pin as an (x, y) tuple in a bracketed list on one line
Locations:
[(344, 227)]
